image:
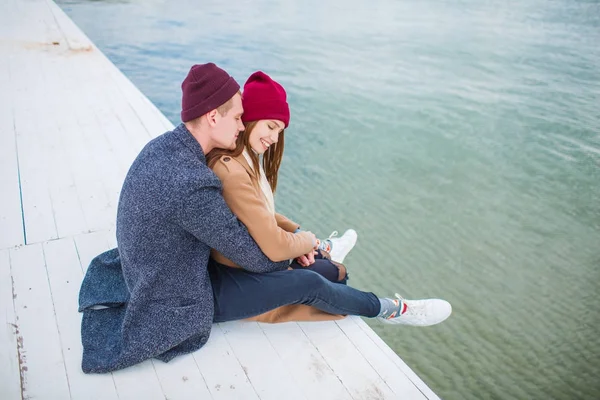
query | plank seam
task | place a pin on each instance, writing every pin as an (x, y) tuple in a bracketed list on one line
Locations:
[(279, 355), (238, 360), (134, 109), (408, 377), (62, 33), (77, 252), (365, 358), (62, 351), (158, 379), (18, 163), (326, 362), (58, 238), (203, 378)]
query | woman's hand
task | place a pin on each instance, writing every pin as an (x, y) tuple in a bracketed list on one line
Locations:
[(308, 259)]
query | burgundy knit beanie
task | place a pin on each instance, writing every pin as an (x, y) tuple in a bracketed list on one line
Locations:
[(205, 88), (263, 98)]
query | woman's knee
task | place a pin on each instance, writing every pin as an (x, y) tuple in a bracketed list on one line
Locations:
[(342, 272)]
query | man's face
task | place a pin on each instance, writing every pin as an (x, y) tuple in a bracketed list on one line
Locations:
[(228, 126)]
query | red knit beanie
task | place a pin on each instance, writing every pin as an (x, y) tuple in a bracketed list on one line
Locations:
[(205, 88), (263, 98)]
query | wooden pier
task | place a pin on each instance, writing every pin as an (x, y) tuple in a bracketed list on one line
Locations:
[(70, 125)]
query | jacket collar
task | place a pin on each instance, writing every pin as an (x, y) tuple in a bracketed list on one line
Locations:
[(242, 160), (186, 137)]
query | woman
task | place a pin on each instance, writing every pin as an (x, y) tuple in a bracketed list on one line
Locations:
[(248, 187)]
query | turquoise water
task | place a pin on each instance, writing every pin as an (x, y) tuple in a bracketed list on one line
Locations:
[(461, 139)]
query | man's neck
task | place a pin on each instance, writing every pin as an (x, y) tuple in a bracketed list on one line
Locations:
[(201, 136)]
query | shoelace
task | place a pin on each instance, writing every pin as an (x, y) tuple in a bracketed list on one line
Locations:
[(415, 309), (333, 234)]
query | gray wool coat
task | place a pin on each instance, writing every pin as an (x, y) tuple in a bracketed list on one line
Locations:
[(156, 284)]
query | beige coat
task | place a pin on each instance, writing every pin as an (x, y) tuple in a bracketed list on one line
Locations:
[(274, 234)]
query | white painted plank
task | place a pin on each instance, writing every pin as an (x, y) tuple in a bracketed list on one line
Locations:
[(40, 21), (43, 367), (28, 104), (82, 80), (260, 361), (50, 204), (105, 159), (150, 116), (129, 131), (154, 121), (180, 378), (67, 207), (102, 157), (64, 273), (393, 376), (10, 387), (109, 99), (222, 371), (138, 382), (129, 119), (100, 213), (98, 106), (33, 158), (314, 376), (349, 365), (96, 179), (7, 21), (112, 130), (418, 382), (75, 38), (11, 221), (133, 127), (68, 213), (34, 29)]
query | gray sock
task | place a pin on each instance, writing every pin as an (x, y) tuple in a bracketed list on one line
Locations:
[(388, 307), (325, 245)]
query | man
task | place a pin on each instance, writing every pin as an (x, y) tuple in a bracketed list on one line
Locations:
[(158, 294)]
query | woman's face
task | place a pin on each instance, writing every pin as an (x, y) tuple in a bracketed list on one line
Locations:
[(265, 133)]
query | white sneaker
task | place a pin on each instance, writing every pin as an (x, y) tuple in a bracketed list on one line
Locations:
[(420, 312), (340, 247)]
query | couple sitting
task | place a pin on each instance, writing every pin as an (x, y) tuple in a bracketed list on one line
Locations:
[(185, 260)]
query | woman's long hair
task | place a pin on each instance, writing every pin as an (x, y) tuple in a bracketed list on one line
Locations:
[(271, 158)]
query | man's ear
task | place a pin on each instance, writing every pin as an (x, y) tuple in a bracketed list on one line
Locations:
[(212, 117)]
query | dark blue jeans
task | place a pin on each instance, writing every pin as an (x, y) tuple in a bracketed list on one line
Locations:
[(239, 294)]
